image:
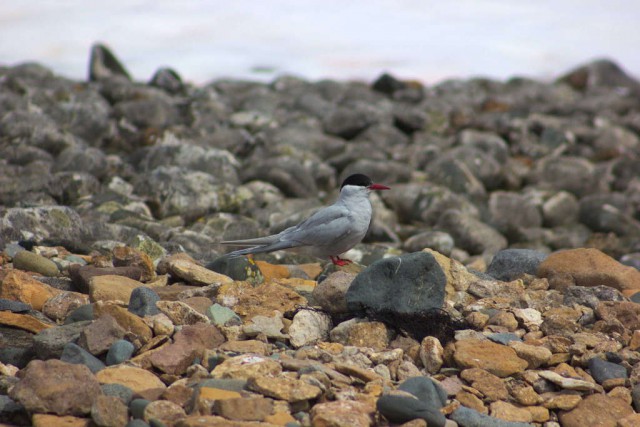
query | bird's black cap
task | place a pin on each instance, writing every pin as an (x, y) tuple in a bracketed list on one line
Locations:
[(357, 179)]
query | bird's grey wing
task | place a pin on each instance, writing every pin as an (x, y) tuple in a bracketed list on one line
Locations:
[(323, 228)]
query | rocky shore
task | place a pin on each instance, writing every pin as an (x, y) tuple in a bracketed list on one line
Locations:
[(499, 284)]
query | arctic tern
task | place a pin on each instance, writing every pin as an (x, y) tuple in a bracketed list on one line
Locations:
[(329, 232)]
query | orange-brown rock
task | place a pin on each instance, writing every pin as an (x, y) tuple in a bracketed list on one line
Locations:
[(139, 380), (273, 271), (49, 420), (589, 267), (509, 412), (244, 408), (248, 301), (110, 287), (56, 387), (596, 410), (128, 321), (492, 387), (312, 270), (164, 411), (196, 274), (247, 366), (22, 321), (342, 413), (20, 286), (499, 360), (472, 401), (626, 312)]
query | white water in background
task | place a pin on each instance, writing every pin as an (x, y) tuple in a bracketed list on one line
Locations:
[(427, 40)]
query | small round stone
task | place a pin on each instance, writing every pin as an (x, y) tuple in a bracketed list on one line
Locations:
[(28, 261), (143, 302), (120, 391), (137, 407), (119, 352)]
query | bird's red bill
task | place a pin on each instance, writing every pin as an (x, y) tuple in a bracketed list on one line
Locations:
[(378, 187)]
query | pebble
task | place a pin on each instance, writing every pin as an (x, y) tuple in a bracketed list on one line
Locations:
[(342, 414), (188, 343), (61, 305), (19, 286), (467, 417), (590, 267), (508, 412), (196, 274), (142, 301), (73, 353), (82, 276), (495, 358), (510, 264), (596, 409), (111, 288), (283, 388), (13, 306), (331, 292), (489, 385), (141, 381), (535, 356), (246, 346), (120, 351), (270, 327), (109, 411), (46, 420), (309, 327), (57, 387), (221, 316), (504, 337), (431, 354), (635, 395), (29, 261), (125, 394), (163, 411), (248, 301), (568, 383), (50, 342), (98, 337), (244, 408), (601, 370), (80, 314), (181, 313), (137, 407), (245, 367), (127, 321), (357, 332), (23, 321)]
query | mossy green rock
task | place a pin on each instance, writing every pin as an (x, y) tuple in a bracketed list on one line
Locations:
[(28, 261)]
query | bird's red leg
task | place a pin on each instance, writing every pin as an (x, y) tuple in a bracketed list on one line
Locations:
[(339, 261)]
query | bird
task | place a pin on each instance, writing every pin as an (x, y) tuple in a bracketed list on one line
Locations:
[(329, 232)]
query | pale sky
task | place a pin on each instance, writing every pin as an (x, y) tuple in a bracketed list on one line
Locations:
[(427, 40)]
